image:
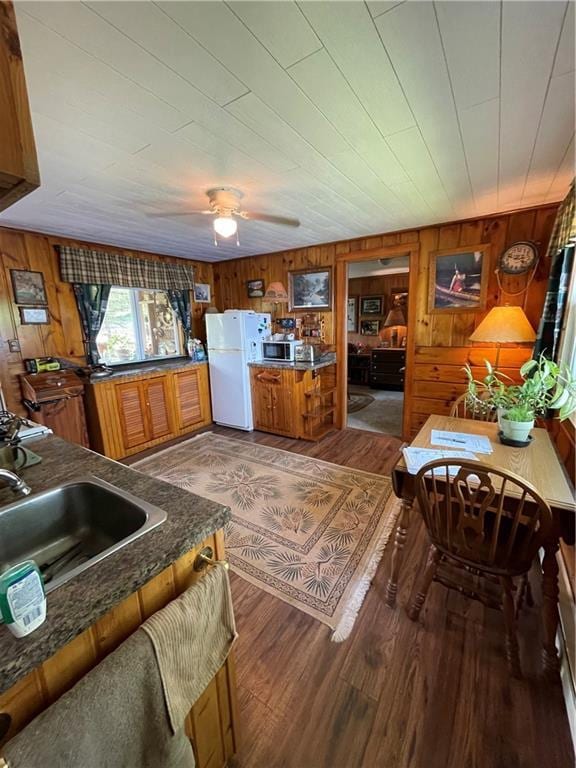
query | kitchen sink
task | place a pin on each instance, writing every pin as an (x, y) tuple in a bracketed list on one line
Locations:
[(68, 529)]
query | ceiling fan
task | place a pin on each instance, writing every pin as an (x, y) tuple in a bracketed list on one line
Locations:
[(224, 204)]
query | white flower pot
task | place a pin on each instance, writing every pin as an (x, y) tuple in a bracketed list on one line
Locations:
[(516, 430)]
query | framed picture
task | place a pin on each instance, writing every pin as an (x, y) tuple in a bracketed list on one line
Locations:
[(458, 279), (202, 293), (255, 289), (371, 305), (34, 316), (310, 289), (369, 327), (352, 315), (28, 287)]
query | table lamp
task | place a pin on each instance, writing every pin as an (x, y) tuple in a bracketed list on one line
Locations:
[(504, 325), (394, 318)]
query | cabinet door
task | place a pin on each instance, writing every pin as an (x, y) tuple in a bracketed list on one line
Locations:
[(282, 411), (189, 404), (262, 403), (156, 391), (132, 410)]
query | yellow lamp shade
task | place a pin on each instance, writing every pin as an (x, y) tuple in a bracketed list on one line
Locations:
[(276, 293), (504, 325)]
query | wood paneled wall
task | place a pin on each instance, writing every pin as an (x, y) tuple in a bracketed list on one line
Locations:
[(63, 336), (381, 285), (442, 345)]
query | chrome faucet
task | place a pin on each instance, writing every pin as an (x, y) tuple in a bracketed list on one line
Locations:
[(16, 483)]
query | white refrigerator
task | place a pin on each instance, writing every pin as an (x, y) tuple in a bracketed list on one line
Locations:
[(234, 340)]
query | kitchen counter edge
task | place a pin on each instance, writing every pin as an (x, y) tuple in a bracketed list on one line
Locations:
[(78, 604)]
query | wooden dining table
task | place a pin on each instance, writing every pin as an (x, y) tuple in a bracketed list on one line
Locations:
[(539, 464)]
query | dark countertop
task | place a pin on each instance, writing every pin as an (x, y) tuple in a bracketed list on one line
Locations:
[(330, 359), (77, 605), (155, 367)]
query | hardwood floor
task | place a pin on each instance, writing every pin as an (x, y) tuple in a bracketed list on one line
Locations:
[(396, 694)]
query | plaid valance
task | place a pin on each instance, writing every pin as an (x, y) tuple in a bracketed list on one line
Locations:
[(565, 225), (80, 265)]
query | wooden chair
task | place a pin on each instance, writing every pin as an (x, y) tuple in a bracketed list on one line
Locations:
[(485, 525), (469, 407)]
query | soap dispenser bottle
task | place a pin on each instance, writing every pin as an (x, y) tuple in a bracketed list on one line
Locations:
[(22, 598)]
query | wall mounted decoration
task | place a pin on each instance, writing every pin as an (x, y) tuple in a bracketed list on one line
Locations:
[(255, 289), (458, 279), (202, 293), (310, 289), (34, 316), (369, 327), (371, 305), (352, 315), (28, 287), (399, 298)]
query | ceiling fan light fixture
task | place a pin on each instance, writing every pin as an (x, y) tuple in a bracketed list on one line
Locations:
[(225, 226)]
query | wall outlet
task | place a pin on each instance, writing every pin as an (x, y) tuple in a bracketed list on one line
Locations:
[(13, 345)]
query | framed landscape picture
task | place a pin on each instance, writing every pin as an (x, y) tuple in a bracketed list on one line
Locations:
[(458, 279), (28, 287), (352, 315), (310, 289), (369, 327), (255, 289), (371, 305)]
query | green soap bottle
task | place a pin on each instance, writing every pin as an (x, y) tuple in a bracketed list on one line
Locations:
[(22, 598)]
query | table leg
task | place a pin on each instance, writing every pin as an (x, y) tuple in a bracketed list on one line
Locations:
[(398, 552), (550, 609)]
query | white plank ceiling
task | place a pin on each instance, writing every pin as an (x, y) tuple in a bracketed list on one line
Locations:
[(355, 117)]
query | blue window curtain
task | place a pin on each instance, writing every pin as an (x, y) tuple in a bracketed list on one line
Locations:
[(561, 253), (180, 303), (92, 301), (552, 318)]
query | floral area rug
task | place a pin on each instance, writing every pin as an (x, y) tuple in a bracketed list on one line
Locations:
[(309, 532)]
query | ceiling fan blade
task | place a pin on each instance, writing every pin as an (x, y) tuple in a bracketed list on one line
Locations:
[(168, 214), (254, 216)]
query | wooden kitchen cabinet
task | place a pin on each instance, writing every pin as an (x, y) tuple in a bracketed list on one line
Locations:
[(272, 401), (141, 410), (293, 402), (192, 399), (212, 724), (19, 174), (131, 409)]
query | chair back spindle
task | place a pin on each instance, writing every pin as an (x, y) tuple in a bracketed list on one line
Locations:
[(482, 516)]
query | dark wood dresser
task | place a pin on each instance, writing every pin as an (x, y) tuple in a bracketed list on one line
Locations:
[(387, 368)]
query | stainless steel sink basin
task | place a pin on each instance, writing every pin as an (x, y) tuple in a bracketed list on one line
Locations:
[(70, 528)]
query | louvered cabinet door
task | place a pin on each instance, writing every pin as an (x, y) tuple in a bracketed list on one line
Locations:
[(132, 413), (189, 405), (156, 392)]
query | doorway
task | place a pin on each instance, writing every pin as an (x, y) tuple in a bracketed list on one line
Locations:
[(375, 339)]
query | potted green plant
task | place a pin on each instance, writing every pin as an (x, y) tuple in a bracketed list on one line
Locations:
[(545, 386)]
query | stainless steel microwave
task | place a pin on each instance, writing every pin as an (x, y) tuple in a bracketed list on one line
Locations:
[(279, 351)]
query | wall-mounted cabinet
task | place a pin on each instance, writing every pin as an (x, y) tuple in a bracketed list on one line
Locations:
[(138, 411), (19, 173)]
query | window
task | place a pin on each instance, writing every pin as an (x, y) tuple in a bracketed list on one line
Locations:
[(139, 325)]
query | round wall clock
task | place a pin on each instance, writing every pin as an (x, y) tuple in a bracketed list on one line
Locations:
[(518, 258)]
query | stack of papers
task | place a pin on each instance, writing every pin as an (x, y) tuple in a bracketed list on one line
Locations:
[(461, 441), (415, 458)]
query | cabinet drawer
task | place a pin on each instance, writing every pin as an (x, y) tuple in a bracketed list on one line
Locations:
[(388, 356)]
